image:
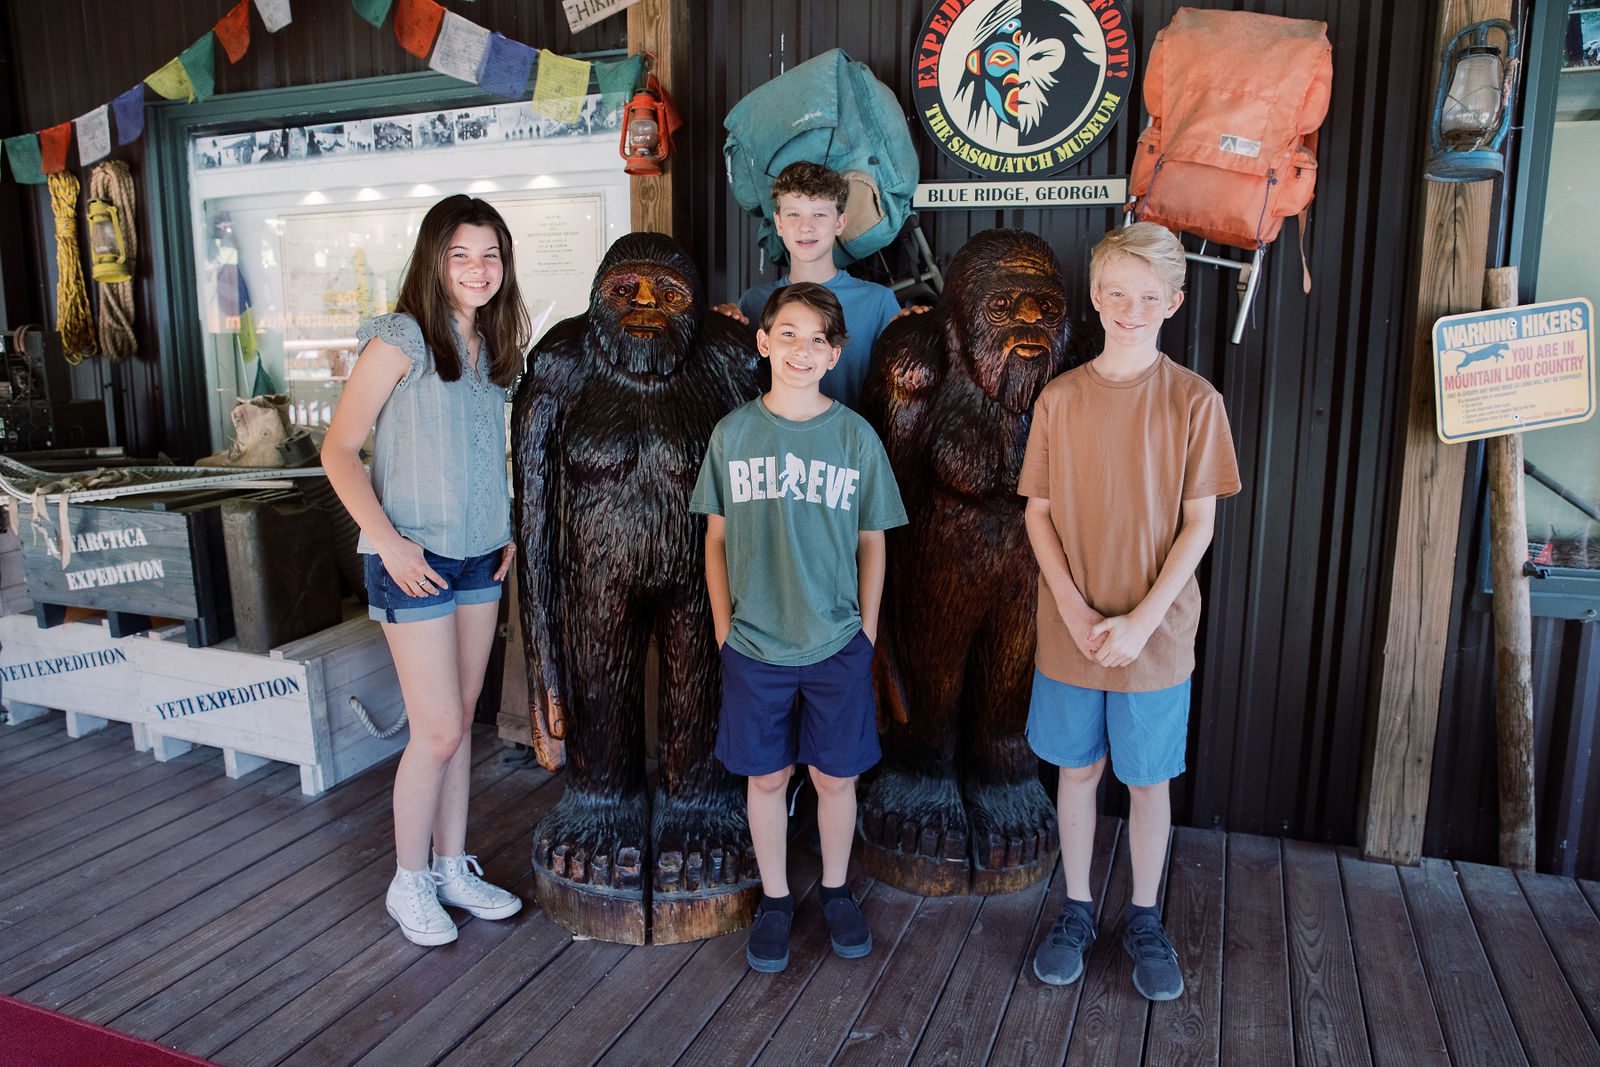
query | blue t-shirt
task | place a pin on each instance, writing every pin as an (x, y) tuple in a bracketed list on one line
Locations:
[(795, 497), (868, 307)]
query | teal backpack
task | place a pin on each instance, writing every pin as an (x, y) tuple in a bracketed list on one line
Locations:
[(828, 110)]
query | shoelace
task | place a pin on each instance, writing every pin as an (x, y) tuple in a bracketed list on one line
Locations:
[(472, 861), (415, 897), (1150, 942), (1070, 928)]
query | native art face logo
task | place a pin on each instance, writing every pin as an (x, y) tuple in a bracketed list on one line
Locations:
[(1023, 87)]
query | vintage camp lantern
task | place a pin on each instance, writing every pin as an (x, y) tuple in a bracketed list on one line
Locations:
[(105, 241), (1472, 112), (646, 133)]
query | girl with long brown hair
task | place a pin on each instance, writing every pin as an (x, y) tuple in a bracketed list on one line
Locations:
[(435, 528)]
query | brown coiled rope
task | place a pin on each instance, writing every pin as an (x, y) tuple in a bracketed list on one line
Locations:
[(72, 302), (113, 181)]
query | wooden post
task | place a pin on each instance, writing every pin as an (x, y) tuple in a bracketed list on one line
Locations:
[(1513, 629), (1399, 766), (661, 27)]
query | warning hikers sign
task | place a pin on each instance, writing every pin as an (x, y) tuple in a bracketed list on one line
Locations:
[(1522, 368)]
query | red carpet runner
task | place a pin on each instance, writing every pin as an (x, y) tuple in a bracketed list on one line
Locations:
[(34, 1037)]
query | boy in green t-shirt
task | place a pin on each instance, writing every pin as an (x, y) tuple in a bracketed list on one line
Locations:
[(797, 492)]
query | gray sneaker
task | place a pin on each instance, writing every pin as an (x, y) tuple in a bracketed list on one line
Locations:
[(1155, 965), (1059, 960)]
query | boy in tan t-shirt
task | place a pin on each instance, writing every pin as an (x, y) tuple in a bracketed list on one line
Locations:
[(1125, 462)]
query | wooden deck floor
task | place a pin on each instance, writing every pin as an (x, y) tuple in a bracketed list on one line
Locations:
[(243, 922)]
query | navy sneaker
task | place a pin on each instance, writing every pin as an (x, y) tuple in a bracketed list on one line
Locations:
[(1155, 964), (847, 928), (768, 948), (1059, 960)]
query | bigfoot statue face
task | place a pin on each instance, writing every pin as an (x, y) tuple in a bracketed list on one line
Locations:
[(1007, 310), (645, 306)]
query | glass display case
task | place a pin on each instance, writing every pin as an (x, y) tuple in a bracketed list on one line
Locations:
[(301, 233)]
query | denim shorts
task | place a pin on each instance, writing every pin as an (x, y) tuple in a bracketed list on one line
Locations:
[(471, 582), (1072, 727), (832, 727)]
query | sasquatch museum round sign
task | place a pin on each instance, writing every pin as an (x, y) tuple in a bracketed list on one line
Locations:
[(1010, 88)]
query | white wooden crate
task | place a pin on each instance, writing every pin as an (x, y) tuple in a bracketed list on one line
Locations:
[(77, 667), (293, 706)]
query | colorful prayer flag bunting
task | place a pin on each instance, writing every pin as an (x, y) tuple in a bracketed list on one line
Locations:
[(53, 144), (94, 135), (275, 14), (618, 81), (416, 24), (506, 66), (200, 63), (460, 49), (374, 11), (233, 30), (22, 152), (452, 45), (129, 110), (560, 87), (172, 81)]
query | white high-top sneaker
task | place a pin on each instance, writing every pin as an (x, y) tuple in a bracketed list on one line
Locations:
[(460, 887), (413, 902)]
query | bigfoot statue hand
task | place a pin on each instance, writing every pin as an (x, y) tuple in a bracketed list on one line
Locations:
[(609, 428), (951, 393)]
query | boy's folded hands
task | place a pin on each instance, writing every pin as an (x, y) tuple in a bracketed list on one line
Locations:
[(1120, 639), (1081, 624)]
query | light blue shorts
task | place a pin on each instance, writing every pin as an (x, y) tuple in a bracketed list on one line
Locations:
[(1072, 727)]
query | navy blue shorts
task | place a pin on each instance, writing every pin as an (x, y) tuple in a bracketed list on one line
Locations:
[(471, 582), (835, 729)]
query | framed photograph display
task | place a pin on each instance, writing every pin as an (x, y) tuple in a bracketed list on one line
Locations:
[(1583, 36)]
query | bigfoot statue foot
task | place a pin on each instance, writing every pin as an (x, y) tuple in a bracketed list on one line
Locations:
[(703, 874), (588, 859), (1014, 834), (914, 833)]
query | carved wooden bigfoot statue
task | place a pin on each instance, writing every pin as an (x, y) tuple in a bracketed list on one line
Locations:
[(958, 806), (609, 427)]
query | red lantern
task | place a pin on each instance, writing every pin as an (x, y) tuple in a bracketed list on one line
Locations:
[(646, 133)]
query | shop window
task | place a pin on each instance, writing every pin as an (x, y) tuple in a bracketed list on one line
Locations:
[(301, 232), (1561, 239)]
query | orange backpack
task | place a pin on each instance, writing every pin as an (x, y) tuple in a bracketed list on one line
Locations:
[(1235, 100)]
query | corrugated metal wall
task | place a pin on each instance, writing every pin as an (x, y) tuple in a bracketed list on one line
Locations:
[(1293, 584), (1293, 581)]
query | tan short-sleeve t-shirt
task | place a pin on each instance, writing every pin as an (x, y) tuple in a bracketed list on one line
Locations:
[(1116, 460)]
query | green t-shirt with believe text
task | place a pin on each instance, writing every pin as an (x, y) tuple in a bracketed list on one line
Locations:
[(794, 497)]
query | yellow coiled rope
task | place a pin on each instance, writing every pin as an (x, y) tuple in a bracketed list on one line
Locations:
[(72, 302), (113, 181)]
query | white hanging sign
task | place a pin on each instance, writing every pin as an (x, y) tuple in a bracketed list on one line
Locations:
[(1060, 192), (582, 13)]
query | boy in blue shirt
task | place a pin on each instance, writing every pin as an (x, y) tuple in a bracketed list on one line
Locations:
[(797, 491), (808, 214)]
